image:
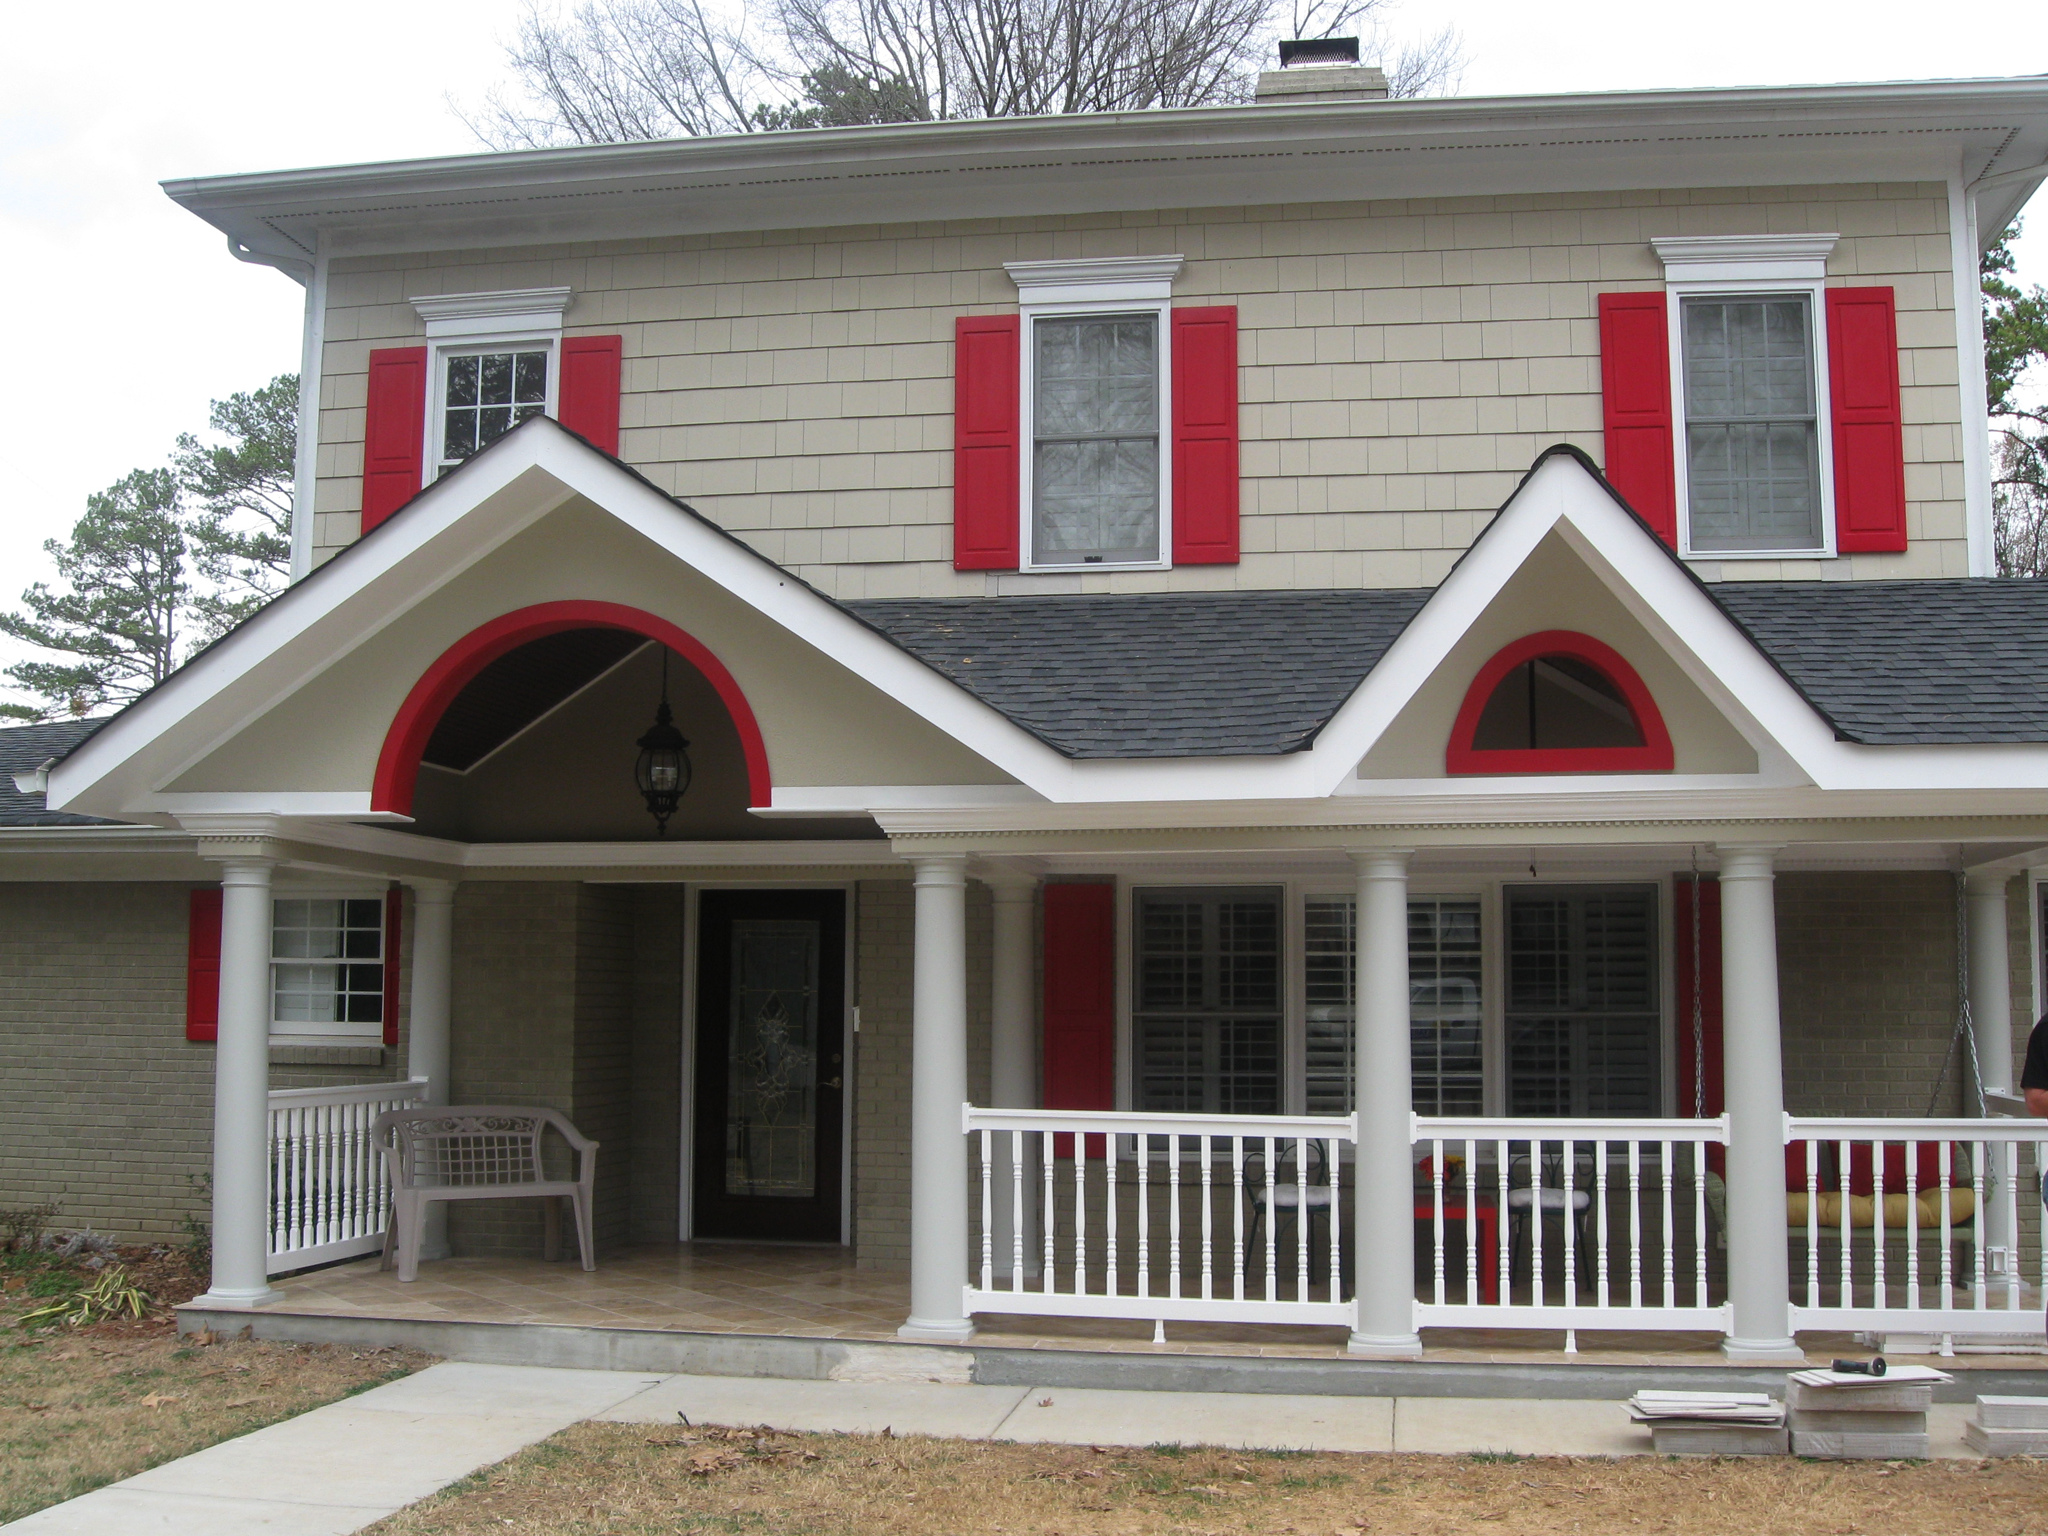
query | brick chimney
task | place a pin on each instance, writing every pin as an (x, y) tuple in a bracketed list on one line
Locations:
[(1321, 69)]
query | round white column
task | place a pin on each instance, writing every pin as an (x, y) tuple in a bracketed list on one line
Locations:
[(428, 1037), (1383, 1193), (1013, 1056), (938, 1089), (241, 1091), (1753, 1068), (1991, 1034)]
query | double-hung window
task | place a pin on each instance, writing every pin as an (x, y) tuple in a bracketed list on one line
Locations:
[(327, 968), (493, 362), (1096, 384), (1749, 391)]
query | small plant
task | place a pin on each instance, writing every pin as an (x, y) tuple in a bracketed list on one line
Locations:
[(197, 1228), (1506, 1458), (113, 1294), (22, 1228)]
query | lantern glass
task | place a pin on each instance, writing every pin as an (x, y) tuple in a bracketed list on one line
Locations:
[(662, 773)]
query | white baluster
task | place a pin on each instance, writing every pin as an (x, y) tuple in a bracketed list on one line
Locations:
[(1503, 1256), (1812, 1222), (1879, 1296), (1667, 1152), (988, 1212), (1237, 1218), (1272, 1224), (1535, 1219), (1208, 1222), (1436, 1207), (1336, 1166), (1144, 1215), (2008, 1197), (1571, 1225), (1048, 1147), (1847, 1297), (1471, 1222), (1109, 1153), (1081, 1212), (1942, 1160), (1173, 1215), (1301, 1218)]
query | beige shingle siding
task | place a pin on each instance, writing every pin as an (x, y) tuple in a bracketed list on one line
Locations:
[(1402, 363)]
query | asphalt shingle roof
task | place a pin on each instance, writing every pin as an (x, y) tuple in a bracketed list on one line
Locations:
[(26, 748), (1899, 663), (1172, 674)]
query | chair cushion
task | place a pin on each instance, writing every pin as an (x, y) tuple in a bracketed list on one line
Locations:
[(1553, 1199)]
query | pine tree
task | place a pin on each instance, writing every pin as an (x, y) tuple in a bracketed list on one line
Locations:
[(241, 529)]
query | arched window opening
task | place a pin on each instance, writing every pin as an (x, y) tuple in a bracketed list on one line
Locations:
[(1558, 702)]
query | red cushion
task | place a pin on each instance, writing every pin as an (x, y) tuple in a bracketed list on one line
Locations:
[(1926, 1169)]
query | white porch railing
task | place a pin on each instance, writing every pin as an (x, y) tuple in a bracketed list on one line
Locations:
[(1566, 1223), (330, 1195), (1175, 1223), (1922, 1226)]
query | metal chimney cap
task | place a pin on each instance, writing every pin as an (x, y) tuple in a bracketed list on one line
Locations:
[(1318, 50)]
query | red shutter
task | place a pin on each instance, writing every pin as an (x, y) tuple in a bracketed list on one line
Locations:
[(1080, 1001), (1707, 1049), (1205, 436), (587, 395), (1635, 399), (202, 965), (394, 424), (1870, 448), (985, 436), (394, 910)]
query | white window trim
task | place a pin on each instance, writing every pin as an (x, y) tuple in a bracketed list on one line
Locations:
[(1114, 285), (1710, 266), (293, 1032), (465, 324)]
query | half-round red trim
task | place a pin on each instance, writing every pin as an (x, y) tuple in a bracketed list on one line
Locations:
[(398, 764), (1653, 756)]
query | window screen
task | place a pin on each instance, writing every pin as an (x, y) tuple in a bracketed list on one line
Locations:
[(1752, 437), (1582, 1013), (489, 394), (327, 965), (1207, 1020), (1444, 1018), (1095, 440)]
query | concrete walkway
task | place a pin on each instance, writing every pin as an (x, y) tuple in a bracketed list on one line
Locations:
[(340, 1468)]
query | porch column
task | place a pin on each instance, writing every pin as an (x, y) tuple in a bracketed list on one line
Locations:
[(1383, 1193), (938, 1089), (1013, 1065), (1991, 1035), (1758, 1270), (241, 1089), (427, 1041)]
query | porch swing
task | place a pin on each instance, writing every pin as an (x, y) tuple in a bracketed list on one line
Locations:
[(1930, 1211)]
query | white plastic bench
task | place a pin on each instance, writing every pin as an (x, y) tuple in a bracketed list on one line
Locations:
[(477, 1152)]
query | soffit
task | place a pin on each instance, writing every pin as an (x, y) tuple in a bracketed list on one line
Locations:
[(1216, 156)]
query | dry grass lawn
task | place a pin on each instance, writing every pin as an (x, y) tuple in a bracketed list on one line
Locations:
[(629, 1479), (87, 1406)]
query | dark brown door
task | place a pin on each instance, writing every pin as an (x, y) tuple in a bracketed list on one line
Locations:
[(771, 1064)]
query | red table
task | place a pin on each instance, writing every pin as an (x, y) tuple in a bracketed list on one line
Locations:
[(1487, 1219)]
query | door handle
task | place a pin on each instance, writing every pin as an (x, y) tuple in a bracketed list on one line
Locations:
[(830, 1083)]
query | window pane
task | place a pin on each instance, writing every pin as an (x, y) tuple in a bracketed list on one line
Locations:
[(1445, 1020), (1752, 436), (1208, 1001), (488, 395), (327, 973), (1582, 1000), (1095, 465)]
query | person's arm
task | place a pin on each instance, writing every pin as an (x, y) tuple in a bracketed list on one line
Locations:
[(2037, 1102)]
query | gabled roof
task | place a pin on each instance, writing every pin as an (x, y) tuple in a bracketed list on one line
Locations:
[(1184, 674), (23, 750)]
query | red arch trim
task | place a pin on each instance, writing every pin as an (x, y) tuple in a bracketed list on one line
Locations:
[(1654, 756), (398, 764)]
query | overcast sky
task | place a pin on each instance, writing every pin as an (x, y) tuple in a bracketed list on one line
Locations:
[(131, 315)]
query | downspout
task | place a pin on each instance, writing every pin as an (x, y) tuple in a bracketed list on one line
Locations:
[(1964, 244), (312, 276)]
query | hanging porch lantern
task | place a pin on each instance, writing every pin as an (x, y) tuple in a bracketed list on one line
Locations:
[(662, 773)]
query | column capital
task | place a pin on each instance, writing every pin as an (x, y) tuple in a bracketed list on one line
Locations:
[(1008, 884), (1986, 879), (1748, 861), (1380, 863), (241, 859), (424, 889), (939, 868)]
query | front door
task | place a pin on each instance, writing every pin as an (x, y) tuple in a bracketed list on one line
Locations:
[(771, 1064)]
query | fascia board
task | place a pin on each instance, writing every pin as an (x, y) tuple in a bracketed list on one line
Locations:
[(312, 626)]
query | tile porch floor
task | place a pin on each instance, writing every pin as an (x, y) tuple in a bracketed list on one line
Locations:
[(817, 1292)]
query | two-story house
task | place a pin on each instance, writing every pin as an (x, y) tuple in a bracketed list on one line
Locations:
[(1321, 712)]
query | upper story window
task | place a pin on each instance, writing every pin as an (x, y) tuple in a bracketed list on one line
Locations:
[(1096, 388), (1752, 423), (493, 361), (1558, 702), (327, 967), (1749, 396)]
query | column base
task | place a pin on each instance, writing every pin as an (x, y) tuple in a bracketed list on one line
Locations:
[(1385, 1346), (1762, 1352), (940, 1330), (237, 1300)]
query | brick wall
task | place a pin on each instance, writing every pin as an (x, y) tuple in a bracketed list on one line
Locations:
[(657, 1039), (1867, 991), (1402, 363)]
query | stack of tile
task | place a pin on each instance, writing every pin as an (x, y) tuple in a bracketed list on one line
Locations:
[(1711, 1423), (2009, 1426), (1844, 1416)]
